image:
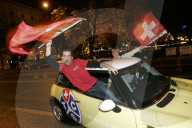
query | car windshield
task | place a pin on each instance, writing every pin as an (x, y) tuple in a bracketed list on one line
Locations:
[(145, 84)]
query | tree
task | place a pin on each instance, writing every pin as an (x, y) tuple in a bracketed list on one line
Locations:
[(59, 14), (119, 20)]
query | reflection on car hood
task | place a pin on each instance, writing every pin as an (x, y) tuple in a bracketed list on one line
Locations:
[(183, 99), (178, 112), (123, 62)]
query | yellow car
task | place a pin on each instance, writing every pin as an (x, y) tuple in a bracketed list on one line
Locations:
[(147, 99)]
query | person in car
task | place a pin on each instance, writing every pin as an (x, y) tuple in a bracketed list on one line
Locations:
[(115, 53), (74, 70)]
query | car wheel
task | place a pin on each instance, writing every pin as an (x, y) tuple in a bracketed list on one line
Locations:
[(59, 112)]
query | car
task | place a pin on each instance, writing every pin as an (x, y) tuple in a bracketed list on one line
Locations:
[(59, 60), (34, 64), (43, 64), (147, 99), (22, 66)]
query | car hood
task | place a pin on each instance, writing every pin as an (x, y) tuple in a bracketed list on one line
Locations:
[(178, 112), (183, 96)]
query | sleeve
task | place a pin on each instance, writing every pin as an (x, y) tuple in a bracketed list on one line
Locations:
[(94, 64), (51, 62), (82, 62)]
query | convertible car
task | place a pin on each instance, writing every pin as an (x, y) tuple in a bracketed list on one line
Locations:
[(147, 99)]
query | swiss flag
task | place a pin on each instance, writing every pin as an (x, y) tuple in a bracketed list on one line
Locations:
[(66, 95), (148, 30), (26, 33)]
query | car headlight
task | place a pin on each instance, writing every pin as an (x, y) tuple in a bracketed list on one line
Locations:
[(145, 126)]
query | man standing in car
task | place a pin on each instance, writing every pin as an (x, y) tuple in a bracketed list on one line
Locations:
[(74, 70)]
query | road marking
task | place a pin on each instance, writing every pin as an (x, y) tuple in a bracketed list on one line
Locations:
[(35, 76), (45, 76), (32, 111)]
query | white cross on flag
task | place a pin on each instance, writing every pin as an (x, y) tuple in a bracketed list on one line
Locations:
[(66, 95), (148, 30)]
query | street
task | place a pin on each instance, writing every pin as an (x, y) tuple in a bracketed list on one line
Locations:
[(174, 66), (25, 103), (24, 96)]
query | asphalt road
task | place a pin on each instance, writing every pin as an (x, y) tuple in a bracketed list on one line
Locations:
[(174, 66), (24, 96)]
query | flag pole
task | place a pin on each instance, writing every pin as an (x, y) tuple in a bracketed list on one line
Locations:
[(132, 52)]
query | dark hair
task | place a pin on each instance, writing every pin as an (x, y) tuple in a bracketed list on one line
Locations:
[(115, 49), (68, 50)]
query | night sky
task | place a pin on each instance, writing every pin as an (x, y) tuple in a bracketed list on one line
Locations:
[(175, 13)]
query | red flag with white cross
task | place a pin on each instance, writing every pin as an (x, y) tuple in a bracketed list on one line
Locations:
[(66, 94), (26, 33), (148, 30)]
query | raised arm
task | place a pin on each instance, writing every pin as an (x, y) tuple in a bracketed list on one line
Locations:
[(48, 48), (49, 58)]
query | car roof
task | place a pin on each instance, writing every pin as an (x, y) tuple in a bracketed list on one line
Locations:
[(119, 63)]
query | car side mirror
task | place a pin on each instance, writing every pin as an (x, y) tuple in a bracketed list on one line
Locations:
[(106, 105)]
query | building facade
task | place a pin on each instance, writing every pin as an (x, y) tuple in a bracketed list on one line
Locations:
[(11, 15)]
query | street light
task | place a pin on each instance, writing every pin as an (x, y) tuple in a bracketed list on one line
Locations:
[(45, 4)]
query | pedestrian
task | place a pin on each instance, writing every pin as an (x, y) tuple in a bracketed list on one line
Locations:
[(74, 70)]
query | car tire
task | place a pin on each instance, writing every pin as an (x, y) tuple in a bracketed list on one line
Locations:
[(58, 112)]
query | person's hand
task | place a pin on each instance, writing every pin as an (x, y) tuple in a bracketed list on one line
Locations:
[(49, 43), (109, 84), (112, 69), (48, 48)]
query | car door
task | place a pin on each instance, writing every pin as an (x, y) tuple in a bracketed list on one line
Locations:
[(91, 116), (85, 109)]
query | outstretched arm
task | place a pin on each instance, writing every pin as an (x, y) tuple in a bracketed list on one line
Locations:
[(110, 68)]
